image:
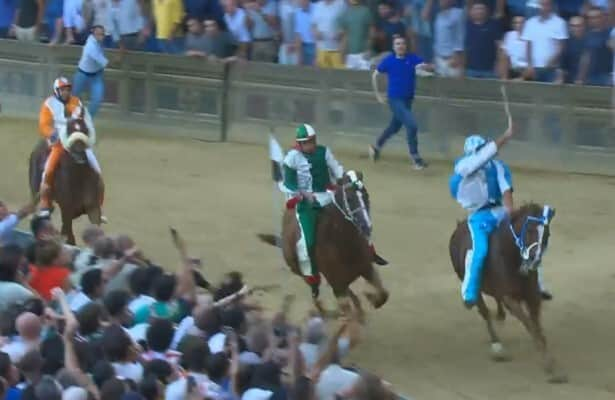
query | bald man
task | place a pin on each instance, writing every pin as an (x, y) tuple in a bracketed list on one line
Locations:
[(29, 329)]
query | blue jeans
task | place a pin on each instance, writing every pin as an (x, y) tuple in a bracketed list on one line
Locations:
[(96, 84), (169, 46), (481, 224), (476, 73), (308, 53), (599, 80), (402, 115), (545, 75)]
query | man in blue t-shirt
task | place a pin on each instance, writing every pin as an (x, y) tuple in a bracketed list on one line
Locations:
[(401, 70)]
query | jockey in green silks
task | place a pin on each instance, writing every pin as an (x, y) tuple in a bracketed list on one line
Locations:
[(310, 170)]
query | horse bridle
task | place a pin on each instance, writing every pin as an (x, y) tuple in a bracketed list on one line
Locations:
[(345, 209), (542, 221)]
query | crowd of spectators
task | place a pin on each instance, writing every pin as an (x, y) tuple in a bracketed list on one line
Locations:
[(105, 322), (567, 41)]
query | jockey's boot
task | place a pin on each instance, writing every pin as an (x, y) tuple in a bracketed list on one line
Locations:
[(376, 258), (45, 207)]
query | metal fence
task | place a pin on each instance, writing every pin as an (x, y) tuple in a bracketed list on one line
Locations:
[(569, 128)]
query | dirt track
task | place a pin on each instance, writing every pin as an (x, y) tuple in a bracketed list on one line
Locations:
[(423, 340)]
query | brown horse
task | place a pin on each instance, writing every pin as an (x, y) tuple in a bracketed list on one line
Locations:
[(510, 274), (77, 188), (341, 249)]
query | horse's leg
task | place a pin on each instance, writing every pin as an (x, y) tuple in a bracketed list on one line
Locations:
[(376, 299), (549, 363), (497, 350), (94, 215), (67, 229), (533, 301), (501, 315), (357, 305)]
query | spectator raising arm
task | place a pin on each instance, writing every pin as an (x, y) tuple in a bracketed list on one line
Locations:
[(71, 327), (186, 288), (8, 221)]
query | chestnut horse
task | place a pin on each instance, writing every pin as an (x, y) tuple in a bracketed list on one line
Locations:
[(510, 275), (77, 188), (341, 249)]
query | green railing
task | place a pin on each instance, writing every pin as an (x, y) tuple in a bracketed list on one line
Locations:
[(566, 128)]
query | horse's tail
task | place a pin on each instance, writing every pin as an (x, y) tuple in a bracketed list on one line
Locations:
[(270, 239)]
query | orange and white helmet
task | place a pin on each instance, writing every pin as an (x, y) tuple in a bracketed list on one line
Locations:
[(59, 84)]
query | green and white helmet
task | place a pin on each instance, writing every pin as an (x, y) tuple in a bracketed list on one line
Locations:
[(304, 133)]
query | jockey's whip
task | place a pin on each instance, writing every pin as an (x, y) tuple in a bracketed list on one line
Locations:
[(506, 105)]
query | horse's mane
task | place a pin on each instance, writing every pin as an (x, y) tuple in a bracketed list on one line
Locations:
[(530, 208)]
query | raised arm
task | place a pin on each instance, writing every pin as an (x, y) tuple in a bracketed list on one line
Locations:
[(71, 362), (186, 288), (470, 164)]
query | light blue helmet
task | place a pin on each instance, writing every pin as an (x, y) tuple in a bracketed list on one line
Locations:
[(472, 143)]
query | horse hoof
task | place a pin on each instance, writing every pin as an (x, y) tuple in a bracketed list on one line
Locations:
[(377, 300), (558, 378), (498, 353)]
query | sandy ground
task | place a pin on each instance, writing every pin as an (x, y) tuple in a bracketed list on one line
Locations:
[(423, 340)]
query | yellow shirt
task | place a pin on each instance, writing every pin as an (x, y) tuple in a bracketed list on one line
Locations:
[(167, 13)]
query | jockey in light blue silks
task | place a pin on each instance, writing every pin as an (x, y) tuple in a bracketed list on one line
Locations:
[(310, 172), (482, 185)]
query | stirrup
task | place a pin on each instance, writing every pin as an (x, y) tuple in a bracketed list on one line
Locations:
[(44, 212)]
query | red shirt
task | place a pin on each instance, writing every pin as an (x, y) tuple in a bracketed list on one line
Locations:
[(43, 279)]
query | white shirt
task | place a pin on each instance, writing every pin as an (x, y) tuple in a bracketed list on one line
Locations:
[(137, 332), (79, 300), (334, 379), (256, 394), (286, 10), (544, 35), (140, 302), (18, 348), (325, 19), (237, 25), (516, 49), (216, 343), (72, 15), (132, 371), (185, 327), (207, 388)]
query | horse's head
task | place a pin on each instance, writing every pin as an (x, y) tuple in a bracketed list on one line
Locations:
[(78, 134), (529, 226), (352, 200)]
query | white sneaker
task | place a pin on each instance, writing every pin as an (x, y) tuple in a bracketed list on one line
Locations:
[(104, 220)]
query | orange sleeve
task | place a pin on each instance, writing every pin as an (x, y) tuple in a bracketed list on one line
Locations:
[(45, 121)]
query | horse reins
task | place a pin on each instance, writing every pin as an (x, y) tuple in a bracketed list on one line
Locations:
[(542, 221)]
